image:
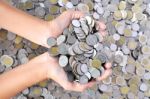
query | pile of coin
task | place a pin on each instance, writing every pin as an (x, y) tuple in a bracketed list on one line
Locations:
[(80, 49), (127, 44)]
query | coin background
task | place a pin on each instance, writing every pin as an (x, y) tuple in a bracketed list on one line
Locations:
[(129, 27)]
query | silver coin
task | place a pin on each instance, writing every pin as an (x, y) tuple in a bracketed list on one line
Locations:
[(61, 39), (63, 61), (51, 41), (143, 87), (79, 69), (83, 79), (95, 73), (91, 40), (76, 23), (63, 49), (40, 11), (77, 50), (84, 68)]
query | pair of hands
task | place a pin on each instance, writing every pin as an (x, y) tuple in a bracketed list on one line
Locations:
[(54, 71)]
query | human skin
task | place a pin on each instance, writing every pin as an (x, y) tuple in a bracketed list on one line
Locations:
[(43, 66)]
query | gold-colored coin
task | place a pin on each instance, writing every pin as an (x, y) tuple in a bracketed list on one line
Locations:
[(18, 39), (96, 63), (117, 71), (117, 14), (49, 17), (124, 14), (122, 5), (124, 90), (146, 49), (3, 34), (53, 51), (54, 9), (43, 83), (90, 5), (145, 61), (110, 40), (19, 46), (120, 81), (139, 16), (62, 9), (104, 96), (31, 56), (28, 5), (135, 80), (132, 44), (129, 14), (136, 9), (53, 1), (131, 61), (114, 22), (37, 91), (133, 88), (6, 60), (127, 32), (34, 46), (121, 41)]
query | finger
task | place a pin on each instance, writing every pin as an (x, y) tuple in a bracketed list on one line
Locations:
[(81, 87), (102, 26), (105, 75), (102, 32), (77, 14), (108, 65)]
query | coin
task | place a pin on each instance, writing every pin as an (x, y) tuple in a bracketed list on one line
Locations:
[(83, 79), (35, 92), (143, 39), (124, 90), (51, 41), (40, 11), (76, 23), (61, 39), (53, 9), (75, 2), (69, 5), (95, 73), (63, 61), (145, 49), (83, 7), (143, 87), (53, 51), (127, 32), (120, 81), (96, 63), (122, 5), (53, 1), (140, 71), (49, 17), (18, 39), (6, 60), (91, 40), (132, 44), (63, 49), (84, 68), (103, 87)]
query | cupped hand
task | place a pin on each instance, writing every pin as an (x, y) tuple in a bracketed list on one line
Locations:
[(56, 72)]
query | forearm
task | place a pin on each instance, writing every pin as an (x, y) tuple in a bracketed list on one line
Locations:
[(23, 24), (21, 77)]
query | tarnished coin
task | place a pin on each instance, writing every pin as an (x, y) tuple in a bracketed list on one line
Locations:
[(117, 15), (18, 39), (6, 60), (51, 41), (83, 79), (63, 61), (53, 1), (49, 17)]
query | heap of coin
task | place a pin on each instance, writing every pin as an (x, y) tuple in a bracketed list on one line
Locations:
[(80, 49), (128, 41)]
